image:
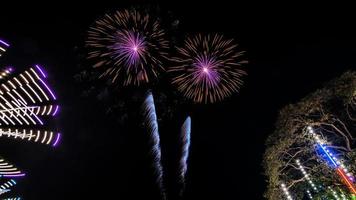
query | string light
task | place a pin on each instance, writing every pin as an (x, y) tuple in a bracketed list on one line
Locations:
[(286, 192), (334, 193), (309, 194), (307, 176), (335, 163)]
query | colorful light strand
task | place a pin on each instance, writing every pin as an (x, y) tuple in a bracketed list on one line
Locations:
[(25, 100), (8, 184), (336, 164)]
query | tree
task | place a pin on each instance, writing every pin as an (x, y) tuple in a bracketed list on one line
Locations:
[(331, 112)]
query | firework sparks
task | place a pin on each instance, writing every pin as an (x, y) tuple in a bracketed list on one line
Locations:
[(151, 123), (185, 142), (128, 45), (208, 68)]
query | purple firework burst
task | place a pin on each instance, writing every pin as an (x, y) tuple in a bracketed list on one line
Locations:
[(129, 46), (208, 68)]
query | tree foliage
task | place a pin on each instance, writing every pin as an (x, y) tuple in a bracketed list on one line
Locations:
[(331, 111)]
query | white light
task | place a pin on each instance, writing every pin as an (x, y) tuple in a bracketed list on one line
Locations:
[(301, 168), (286, 192), (205, 69)]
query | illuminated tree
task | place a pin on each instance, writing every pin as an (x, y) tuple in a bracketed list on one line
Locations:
[(324, 121)]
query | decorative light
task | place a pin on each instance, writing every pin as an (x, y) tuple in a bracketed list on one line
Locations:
[(307, 176), (340, 168), (7, 184), (24, 101), (8, 170), (286, 192), (309, 194), (334, 193), (3, 46)]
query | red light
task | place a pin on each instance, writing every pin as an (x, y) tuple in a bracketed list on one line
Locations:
[(342, 174)]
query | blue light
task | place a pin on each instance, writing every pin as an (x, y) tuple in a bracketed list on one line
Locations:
[(328, 155)]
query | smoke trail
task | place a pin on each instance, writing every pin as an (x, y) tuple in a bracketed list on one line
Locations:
[(185, 143), (150, 118)]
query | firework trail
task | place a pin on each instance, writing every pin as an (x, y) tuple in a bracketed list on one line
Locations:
[(151, 123), (128, 45), (185, 142), (208, 68)]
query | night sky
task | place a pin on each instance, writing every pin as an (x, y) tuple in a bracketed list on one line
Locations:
[(291, 51)]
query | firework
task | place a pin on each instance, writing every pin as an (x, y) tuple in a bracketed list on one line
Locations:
[(185, 142), (129, 46), (151, 123), (208, 68)]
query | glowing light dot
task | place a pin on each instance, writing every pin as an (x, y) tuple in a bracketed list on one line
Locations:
[(205, 70)]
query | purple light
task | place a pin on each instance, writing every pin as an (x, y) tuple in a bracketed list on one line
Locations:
[(10, 69), (205, 71), (41, 71), (56, 110), (14, 175), (130, 47), (49, 90), (4, 43), (57, 140)]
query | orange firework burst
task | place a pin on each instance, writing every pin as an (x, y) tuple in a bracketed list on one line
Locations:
[(208, 68), (128, 45)]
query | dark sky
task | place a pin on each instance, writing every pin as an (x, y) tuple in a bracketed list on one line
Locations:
[(292, 50)]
